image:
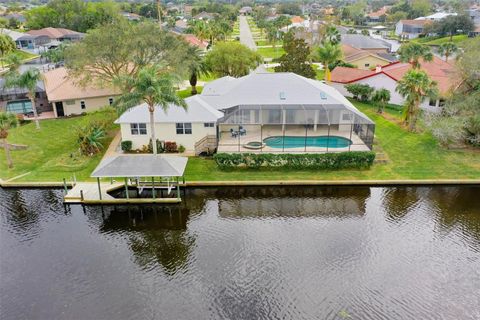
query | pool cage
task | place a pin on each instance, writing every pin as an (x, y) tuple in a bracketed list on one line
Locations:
[(294, 129)]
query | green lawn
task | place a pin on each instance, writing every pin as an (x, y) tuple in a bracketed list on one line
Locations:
[(23, 55), (271, 52), (412, 156), (188, 92), (52, 152), (436, 41)]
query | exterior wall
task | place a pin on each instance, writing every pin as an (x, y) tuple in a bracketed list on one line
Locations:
[(371, 60), (168, 132), (91, 104)]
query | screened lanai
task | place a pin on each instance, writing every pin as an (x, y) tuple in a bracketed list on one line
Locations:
[(294, 128)]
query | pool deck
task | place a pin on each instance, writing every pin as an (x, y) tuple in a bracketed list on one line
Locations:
[(229, 144)]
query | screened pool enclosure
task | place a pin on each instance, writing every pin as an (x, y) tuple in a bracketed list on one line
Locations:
[(295, 128)]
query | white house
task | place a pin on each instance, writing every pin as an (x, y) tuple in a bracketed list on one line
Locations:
[(261, 112), (410, 29)]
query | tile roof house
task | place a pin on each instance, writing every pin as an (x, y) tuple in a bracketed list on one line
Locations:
[(386, 77), (379, 15), (204, 16), (410, 29), (33, 39), (360, 41), (364, 59), (69, 98), (195, 41)]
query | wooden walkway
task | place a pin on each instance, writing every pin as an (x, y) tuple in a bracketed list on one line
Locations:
[(87, 193)]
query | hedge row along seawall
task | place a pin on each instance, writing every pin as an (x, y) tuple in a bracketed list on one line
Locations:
[(323, 161)]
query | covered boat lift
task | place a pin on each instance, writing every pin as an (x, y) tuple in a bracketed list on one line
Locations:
[(157, 173)]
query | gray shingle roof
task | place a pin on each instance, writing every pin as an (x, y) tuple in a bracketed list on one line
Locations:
[(360, 41)]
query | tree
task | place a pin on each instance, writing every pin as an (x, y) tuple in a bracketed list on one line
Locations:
[(296, 57), (196, 66), (8, 121), (361, 92), (124, 48), (381, 98), (291, 8), (451, 25), (231, 59), (327, 54), (27, 80), (6, 46), (272, 35), (415, 86), (412, 53), (332, 35), (282, 21), (420, 8), (446, 49), (153, 86), (365, 32)]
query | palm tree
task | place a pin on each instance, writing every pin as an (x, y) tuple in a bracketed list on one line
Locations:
[(201, 30), (152, 86), (412, 53), (27, 80), (8, 121), (415, 86), (6, 46), (329, 53), (159, 13), (332, 35), (446, 49), (196, 66), (381, 98), (272, 35)]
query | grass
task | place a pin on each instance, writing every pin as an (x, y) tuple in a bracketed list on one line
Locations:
[(52, 152), (23, 55), (264, 42), (436, 41), (271, 52), (188, 92), (412, 156)]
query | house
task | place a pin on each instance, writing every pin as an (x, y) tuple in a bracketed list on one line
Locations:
[(475, 32), (297, 20), (195, 41), (16, 16), (436, 16), (12, 34), (16, 100), (260, 112), (244, 11), (180, 26), (474, 14), (362, 42), (67, 98), (364, 59), (388, 76), (130, 16), (34, 39), (377, 16), (410, 29), (204, 16)]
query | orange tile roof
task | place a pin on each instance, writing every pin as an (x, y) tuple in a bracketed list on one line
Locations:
[(380, 12), (347, 75), (415, 22), (59, 87), (193, 40), (297, 19), (349, 50), (52, 33)]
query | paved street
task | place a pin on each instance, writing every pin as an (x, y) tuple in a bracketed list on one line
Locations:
[(246, 37)]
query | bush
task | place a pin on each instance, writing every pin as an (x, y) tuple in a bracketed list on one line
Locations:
[(160, 146), (90, 137), (171, 147), (126, 145), (361, 92), (322, 161), (181, 149)]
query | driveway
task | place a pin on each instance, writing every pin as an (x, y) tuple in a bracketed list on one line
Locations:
[(246, 37)]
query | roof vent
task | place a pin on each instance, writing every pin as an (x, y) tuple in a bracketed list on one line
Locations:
[(323, 96), (282, 95)]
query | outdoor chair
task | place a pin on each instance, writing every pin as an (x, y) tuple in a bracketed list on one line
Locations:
[(233, 133)]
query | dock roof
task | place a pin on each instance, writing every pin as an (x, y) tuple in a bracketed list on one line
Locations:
[(145, 165)]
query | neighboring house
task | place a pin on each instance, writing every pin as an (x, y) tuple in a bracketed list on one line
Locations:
[(180, 26), (17, 16), (195, 41), (255, 113), (386, 77), (130, 16), (410, 29), (12, 34), (34, 39), (297, 19), (437, 16), (364, 59), (244, 11), (362, 42), (377, 16), (68, 98), (475, 32), (15, 99), (474, 14), (204, 16)]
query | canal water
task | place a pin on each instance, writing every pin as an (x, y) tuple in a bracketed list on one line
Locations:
[(245, 253)]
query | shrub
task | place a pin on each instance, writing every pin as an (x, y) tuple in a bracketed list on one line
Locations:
[(181, 149), (160, 146), (360, 92), (90, 137), (126, 145), (322, 161), (171, 147)]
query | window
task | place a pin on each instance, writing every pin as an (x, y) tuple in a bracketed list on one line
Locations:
[(110, 101), (367, 65), (184, 128), (70, 102), (432, 103), (209, 124), (82, 105), (138, 128)]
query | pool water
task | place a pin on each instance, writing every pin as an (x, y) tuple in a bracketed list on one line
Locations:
[(300, 142)]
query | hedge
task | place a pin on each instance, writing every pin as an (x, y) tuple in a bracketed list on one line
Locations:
[(332, 161)]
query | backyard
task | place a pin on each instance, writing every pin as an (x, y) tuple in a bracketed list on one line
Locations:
[(52, 155)]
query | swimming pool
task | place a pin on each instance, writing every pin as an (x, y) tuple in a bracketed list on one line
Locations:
[(299, 142)]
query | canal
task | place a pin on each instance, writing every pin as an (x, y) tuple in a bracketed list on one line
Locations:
[(244, 253)]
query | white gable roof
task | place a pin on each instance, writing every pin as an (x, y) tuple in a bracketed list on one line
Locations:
[(197, 111)]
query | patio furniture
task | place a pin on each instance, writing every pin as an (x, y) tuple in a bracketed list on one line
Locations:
[(233, 133), (242, 131)]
